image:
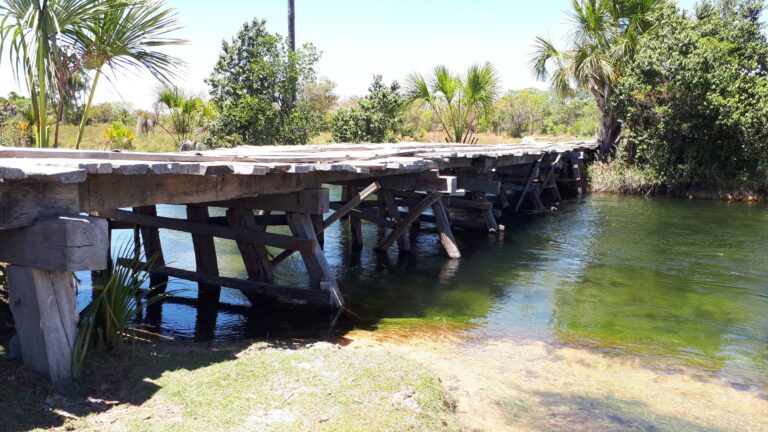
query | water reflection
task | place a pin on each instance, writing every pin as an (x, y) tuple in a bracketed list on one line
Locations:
[(671, 279)]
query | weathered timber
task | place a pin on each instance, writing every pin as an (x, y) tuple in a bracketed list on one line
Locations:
[(44, 310), (320, 274), (403, 244), (153, 249), (255, 256), (319, 297), (301, 244), (21, 203), (354, 201), (444, 228), (205, 253), (408, 220), (311, 201), (65, 243)]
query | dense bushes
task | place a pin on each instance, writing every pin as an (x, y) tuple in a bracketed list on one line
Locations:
[(376, 118), (532, 112), (694, 101)]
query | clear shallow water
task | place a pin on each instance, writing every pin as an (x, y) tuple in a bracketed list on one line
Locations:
[(672, 280)]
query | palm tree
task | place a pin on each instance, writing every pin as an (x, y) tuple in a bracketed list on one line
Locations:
[(125, 36), (34, 31), (458, 102), (185, 111), (605, 36)]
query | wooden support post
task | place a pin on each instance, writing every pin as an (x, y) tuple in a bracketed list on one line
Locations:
[(255, 256), (409, 219), (42, 289), (403, 244), (150, 236), (444, 228), (356, 232), (320, 274), (43, 307), (526, 189), (317, 220), (549, 183), (205, 254), (488, 216)]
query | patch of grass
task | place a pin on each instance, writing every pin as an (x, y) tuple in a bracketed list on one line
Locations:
[(235, 386), (93, 139), (619, 177)]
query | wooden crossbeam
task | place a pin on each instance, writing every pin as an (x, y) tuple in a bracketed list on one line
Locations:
[(355, 200), (312, 296), (311, 201), (531, 177), (408, 220), (301, 244)]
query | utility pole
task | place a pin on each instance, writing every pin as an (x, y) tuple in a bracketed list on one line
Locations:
[(291, 26)]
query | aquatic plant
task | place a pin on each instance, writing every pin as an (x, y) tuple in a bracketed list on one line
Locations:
[(105, 322)]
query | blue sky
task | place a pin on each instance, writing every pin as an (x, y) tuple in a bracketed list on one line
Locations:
[(359, 38)]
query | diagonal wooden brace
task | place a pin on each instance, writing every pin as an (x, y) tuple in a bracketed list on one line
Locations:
[(413, 215)]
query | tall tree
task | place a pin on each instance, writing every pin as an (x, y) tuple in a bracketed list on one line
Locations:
[(458, 102), (605, 38), (127, 35), (34, 31), (291, 26)]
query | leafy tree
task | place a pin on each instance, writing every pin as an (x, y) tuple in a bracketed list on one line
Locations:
[(253, 85), (376, 118), (33, 32), (125, 36), (320, 97), (694, 101), (605, 38), (458, 101)]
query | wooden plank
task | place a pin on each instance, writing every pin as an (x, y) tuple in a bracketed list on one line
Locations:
[(255, 256), (408, 220), (444, 228), (65, 243), (277, 240), (475, 183), (21, 203), (370, 217), (44, 310), (261, 219), (354, 201), (205, 253), (320, 297), (320, 274)]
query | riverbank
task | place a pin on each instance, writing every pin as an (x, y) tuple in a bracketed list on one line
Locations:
[(378, 381), (283, 385), (621, 179)]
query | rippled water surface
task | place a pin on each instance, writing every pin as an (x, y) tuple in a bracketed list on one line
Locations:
[(677, 281)]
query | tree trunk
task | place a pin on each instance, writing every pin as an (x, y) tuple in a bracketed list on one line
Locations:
[(59, 114), (610, 128), (291, 26)]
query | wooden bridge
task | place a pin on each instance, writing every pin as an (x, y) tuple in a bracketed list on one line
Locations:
[(58, 207)]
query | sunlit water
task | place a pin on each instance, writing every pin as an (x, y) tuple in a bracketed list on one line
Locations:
[(683, 282)]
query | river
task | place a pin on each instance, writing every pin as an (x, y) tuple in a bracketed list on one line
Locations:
[(670, 282)]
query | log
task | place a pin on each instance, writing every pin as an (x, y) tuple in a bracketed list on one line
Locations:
[(65, 243), (403, 244), (44, 310)]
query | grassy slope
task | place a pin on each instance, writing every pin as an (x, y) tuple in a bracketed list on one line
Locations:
[(234, 386)]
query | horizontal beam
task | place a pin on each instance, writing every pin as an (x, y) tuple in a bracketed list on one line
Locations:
[(65, 243), (427, 181), (23, 202), (310, 201), (212, 230), (320, 297)]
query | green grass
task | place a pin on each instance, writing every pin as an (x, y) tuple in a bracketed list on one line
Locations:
[(173, 386), (159, 141)]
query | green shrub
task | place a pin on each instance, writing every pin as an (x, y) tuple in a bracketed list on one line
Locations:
[(119, 136), (376, 118)]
